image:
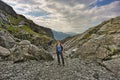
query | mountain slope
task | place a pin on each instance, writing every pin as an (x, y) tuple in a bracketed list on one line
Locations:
[(22, 28), (21, 39), (102, 41)]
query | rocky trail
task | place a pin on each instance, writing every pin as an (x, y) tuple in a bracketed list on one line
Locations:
[(74, 69)]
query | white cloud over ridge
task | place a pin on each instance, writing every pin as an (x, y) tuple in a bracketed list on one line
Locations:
[(66, 15)]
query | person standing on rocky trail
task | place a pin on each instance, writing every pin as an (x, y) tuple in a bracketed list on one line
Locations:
[(59, 51)]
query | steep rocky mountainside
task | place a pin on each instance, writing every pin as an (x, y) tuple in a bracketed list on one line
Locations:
[(21, 39), (101, 42), (22, 28)]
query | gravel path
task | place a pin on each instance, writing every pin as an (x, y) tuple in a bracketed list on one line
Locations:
[(74, 69)]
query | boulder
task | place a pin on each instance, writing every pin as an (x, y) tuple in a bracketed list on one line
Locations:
[(24, 50), (6, 39), (4, 52), (113, 65)]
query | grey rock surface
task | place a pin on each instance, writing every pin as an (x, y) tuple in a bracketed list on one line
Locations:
[(6, 39), (74, 69), (24, 50), (4, 52)]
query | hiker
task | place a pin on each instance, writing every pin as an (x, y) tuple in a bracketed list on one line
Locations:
[(59, 52)]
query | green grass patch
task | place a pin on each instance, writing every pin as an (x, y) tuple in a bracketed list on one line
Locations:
[(27, 29), (13, 29), (2, 29), (15, 21)]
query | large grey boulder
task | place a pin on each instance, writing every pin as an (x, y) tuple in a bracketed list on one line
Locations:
[(24, 50), (6, 39), (4, 52), (113, 65)]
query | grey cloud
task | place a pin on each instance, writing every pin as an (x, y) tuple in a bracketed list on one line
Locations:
[(27, 2), (73, 2), (73, 14), (85, 18)]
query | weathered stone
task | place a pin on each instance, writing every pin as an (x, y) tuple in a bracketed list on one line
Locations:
[(113, 65), (74, 69), (6, 39), (4, 52), (24, 50)]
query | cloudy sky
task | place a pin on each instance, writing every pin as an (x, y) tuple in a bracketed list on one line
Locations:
[(67, 15)]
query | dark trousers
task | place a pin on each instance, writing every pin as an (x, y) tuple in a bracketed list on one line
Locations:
[(58, 57)]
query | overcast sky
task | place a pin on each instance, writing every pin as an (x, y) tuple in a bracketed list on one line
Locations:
[(67, 15)]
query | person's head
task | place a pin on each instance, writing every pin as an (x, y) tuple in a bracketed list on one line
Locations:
[(58, 42)]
